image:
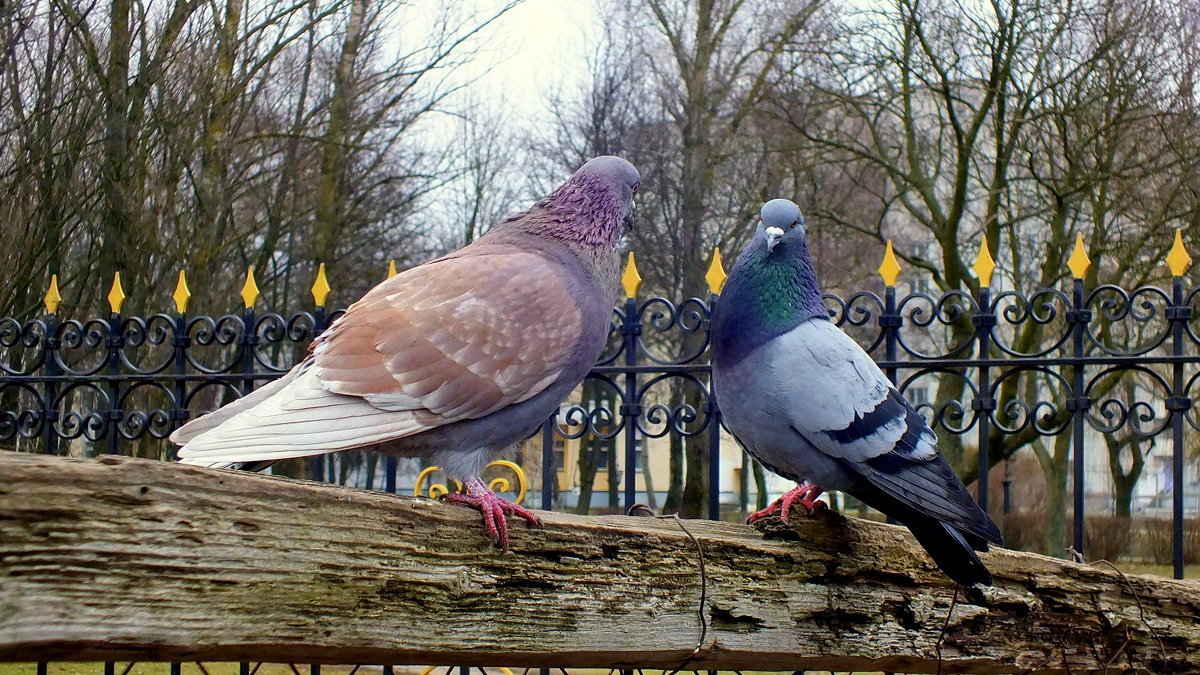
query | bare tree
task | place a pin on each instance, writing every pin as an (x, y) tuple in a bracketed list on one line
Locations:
[(216, 136)]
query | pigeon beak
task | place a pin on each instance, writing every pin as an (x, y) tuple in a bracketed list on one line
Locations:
[(774, 234)]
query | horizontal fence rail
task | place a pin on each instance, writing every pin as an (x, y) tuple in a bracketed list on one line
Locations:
[(993, 372)]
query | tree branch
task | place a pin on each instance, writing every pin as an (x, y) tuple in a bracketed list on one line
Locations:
[(133, 559)]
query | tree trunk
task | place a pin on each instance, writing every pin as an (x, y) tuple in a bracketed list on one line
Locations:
[(591, 448), (1055, 467), (760, 484), (335, 149), (118, 559), (1124, 481), (695, 482), (675, 478)]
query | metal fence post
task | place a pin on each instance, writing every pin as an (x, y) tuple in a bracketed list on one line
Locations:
[(631, 409), (715, 276), (1179, 313), (249, 342), (320, 291), (714, 455), (714, 426), (180, 344), (390, 465), (1177, 405), (549, 468), (984, 404), (1078, 403), (182, 341), (50, 355), (115, 342), (890, 320)]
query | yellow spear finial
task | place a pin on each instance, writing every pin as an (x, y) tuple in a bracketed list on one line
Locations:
[(889, 269), (716, 273), (1079, 260), (1178, 259), (320, 287), (53, 299), (250, 288), (116, 296), (984, 265), (631, 280), (182, 293), (391, 269)]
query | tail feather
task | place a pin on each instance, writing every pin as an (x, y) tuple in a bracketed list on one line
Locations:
[(212, 420), (252, 467), (952, 549), (300, 418), (951, 552)]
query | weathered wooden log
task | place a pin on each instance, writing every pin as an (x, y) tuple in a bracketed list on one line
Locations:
[(121, 558)]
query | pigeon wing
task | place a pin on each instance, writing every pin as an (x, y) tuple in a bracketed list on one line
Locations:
[(451, 340), (847, 408)]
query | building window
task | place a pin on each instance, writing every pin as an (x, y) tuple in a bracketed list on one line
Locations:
[(559, 451), (602, 451)]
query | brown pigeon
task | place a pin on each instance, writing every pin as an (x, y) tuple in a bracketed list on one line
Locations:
[(454, 360)]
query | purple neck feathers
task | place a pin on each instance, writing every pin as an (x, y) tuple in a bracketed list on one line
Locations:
[(583, 213)]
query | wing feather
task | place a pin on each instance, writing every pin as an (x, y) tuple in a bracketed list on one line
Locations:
[(846, 408), (455, 339)]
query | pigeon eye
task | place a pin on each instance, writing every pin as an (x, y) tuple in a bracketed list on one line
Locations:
[(794, 224), (635, 186)]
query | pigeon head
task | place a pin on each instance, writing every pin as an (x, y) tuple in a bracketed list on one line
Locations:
[(612, 174), (590, 209), (780, 246), (781, 222), (772, 287), (612, 171)]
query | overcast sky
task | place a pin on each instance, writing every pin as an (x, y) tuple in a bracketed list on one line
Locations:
[(538, 47)]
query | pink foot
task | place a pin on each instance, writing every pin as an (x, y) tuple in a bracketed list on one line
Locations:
[(494, 508), (803, 494)]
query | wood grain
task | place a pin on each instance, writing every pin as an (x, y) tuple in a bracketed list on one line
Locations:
[(121, 558)]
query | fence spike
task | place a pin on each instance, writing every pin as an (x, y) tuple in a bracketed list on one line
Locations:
[(984, 265), (889, 269), (116, 296), (320, 287), (53, 298), (631, 280), (392, 269), (716, 273), (1079, 262), (250, 288), (182, 293), (1178, 259)]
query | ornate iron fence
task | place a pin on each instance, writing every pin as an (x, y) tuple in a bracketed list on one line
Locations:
[(1007, 370)]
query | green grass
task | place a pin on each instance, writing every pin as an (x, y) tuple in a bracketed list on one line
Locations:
[(1189, 571)]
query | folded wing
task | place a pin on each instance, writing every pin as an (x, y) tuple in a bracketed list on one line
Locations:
[(456, 339), (849, 410)]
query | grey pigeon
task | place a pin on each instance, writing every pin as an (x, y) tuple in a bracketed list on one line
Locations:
[(805, 400), (454, 360)]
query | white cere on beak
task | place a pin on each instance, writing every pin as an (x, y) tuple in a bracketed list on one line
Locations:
[(774, 234)]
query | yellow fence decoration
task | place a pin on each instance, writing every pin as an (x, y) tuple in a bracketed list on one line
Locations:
[(500, 484)]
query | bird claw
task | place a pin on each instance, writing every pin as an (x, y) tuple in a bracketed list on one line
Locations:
[(763, 513), (495, 509), (803, 494)]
